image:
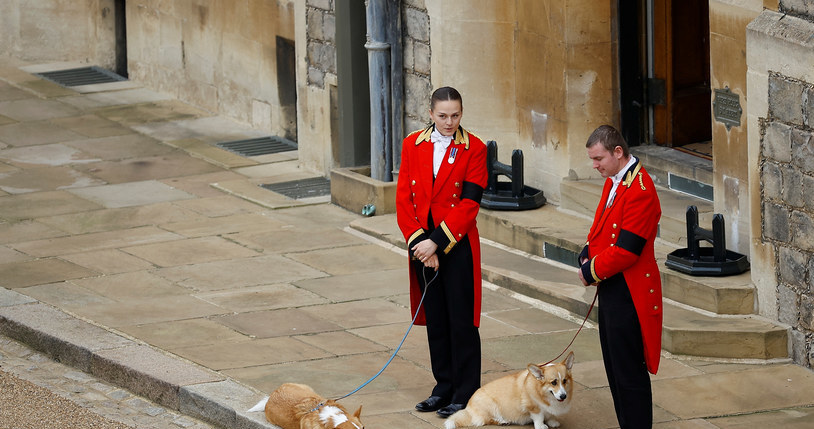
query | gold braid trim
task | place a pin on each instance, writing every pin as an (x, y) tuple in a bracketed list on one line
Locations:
[(450, 235)]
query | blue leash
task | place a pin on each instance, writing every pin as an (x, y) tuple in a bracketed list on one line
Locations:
[(426, 286)]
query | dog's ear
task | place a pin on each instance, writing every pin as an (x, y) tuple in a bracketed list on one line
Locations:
[(358, 412), (536, 371), (569, 361)]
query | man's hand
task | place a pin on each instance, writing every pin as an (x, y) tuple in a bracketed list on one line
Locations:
[(424, 251), (582, 278)]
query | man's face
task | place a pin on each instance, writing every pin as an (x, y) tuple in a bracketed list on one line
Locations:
[(606, 163)]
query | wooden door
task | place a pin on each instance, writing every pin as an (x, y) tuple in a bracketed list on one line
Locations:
[(681, 62)]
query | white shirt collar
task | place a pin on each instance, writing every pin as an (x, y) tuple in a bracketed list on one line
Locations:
[(621, 174)]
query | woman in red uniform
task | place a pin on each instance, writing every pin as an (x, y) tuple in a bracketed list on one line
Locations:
[(440, 184)]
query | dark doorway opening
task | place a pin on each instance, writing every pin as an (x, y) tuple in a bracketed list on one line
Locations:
[(287, 86), (121, 38), (664, 71)]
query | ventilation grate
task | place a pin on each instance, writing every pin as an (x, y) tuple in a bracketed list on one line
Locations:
[(299, 189), (259, 146), (81, 76)]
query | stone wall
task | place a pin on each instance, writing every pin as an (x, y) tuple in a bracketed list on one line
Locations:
[(787, 178), (417, 77), (222, 56), (52, 31), (320, 18)]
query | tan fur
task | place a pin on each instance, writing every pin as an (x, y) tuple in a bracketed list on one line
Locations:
[(522, 398), (292, 406)]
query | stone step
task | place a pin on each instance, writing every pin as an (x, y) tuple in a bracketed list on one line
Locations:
[(685, 331), (559, 235)]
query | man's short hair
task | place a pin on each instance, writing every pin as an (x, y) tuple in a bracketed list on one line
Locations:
[(609, 137)]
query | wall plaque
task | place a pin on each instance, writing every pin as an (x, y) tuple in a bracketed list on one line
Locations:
[(726, 107)]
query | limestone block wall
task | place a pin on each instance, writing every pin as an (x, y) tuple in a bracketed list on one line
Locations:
[(787, 177), (780, 81), (417, 70), (52, 31), (222, 56)]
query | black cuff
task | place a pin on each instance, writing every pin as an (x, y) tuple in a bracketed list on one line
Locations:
[(440, 238), (583, 255), (586, 272)]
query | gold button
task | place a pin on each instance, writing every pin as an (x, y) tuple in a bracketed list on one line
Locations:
[(613, 235), (452, 205), (415, 206), (611, 244), (655, 307), (651, 291), (459, 235), (614, 225), (416, 218), (457, 184), (454, 195), (647, 275), (413, 193), (587, 243), (413, 182)]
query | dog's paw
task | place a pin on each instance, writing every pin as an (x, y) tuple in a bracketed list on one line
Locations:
[(449, 424), (552, 423)]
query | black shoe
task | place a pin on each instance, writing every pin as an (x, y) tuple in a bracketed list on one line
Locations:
[(431, 404), (450, 410)]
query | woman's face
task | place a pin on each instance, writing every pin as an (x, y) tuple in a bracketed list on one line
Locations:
[(447, 115)]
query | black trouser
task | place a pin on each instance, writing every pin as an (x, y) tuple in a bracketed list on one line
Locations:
[(454, 340), (623, 352)]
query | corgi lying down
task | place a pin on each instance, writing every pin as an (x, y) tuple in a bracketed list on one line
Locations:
[(538, 395), (297, 406)]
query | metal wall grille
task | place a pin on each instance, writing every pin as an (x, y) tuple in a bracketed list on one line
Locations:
[(299, 189), (81, 76), (259, 146)]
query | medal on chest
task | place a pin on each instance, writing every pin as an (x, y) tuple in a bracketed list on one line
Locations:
[(452, 153)]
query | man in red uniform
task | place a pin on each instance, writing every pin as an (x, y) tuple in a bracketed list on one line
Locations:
[(619, 259), (440, 184)]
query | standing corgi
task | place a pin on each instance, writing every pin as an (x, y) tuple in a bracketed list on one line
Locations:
[(538, 395), (297, 406)]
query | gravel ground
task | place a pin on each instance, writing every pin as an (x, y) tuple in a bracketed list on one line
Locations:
[(24, 405), (37, 392)]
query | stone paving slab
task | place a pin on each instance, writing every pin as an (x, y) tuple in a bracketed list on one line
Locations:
[(40, 271), (36, 133), (755, 389), (40, 204), (238, 273), (120, 146), (47, 154), (120, 218), (95, 241), (93, 126), (131, 194), (46, 179), (174, 164), (33, 109)]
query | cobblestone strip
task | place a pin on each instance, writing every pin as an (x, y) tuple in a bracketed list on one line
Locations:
[(88, 392)]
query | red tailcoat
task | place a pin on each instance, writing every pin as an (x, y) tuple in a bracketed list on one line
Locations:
[(621, 241), (453, 198)]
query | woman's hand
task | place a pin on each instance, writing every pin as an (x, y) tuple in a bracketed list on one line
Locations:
[(424, 251)]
